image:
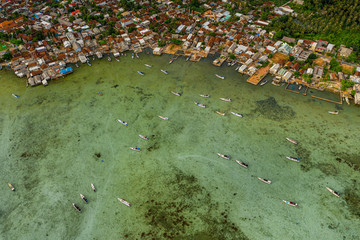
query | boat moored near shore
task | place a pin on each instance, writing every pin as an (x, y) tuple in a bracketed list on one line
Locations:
[(15, 96), (141, 73), (293, 159), (264, 180), (220, 113), (242, 164), (334, 112), (76, 207), (227, 157), (292, 141), (123, 201), (333, 192), (83, 198), (221, 77), (164, 71), (237, 114), (176, 93), (148, 65), (122, 122)]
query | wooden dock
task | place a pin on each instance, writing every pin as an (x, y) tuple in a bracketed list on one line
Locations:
[(327, 100), (259, 75)]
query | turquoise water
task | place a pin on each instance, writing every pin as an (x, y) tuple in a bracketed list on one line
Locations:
[(57, 140)]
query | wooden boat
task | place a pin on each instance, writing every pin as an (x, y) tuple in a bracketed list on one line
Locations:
[(293, 159), (137, 56), (164, 71), (220, 113), (122, 122), (15, 96), (237, 114), (333, 192), (224, 156), (93, 187), (233, 63), (117, 59), (187, 59), (291, 203), (135, 149), (221, 77), (176, 93), (204, 95), (292, 141), (83, 198), (89, 63), (200, 104), (123, 201), (76, 207), (334, 112), (164, 118), (141, 73), (143, 137), (171, 61), (11, 187), (226, 99), (148, 65), (263, 83), (264, 180), (109, 59), (242, 164)]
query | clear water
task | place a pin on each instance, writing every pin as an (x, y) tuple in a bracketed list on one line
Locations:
[(57, 140)]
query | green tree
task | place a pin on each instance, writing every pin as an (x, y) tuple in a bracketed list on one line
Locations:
[(7, 56), (232, 56)]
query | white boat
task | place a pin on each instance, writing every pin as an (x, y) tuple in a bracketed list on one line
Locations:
[(171, 61), (187, 59), (76, 65), (264, 180), (148, 65), (292, 141), (132, 56), (135, 149), (76, 207), (220, 113), (109, 59), (226, 99), (141, 73), (242, 164), (333, 192), (14, 95), (224, 156), (291, 203), (89, 63), (237, 114), (176, 93), (122, 122), (143, 137), (334, 112), (117, 59), (221, 77), (164, 71), (83, 198), (293, 159), (164, 118), (93, 187), (204, 95), (11, 187), (200, 104), (263, 83), (300, 87), (123, 201), (137, 56), (237, 68)]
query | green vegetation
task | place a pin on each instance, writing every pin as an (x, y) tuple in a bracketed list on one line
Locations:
[(161, 43), (232, 56), (346, 84), (7, 56), (176, 41), (131, 29), (307, 77), (102, 42), (335, 65)]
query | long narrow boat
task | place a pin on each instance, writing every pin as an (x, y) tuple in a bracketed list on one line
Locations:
[(11, 187), (221, 77), (233, 63), (220, 113), (204, 95), (264, 180), (176, 93), (200, 104), (122, 122), (83, 198), (76, 207), (88, 63), (293, 159), (242, 164), (109, 58), (143, 137), (292, 141), (291, 203), (224, 156), (263, 83), (123, 201), (333, 192), (14, 95), (148, 65), (93, 187), (135, 149), (226, 99), (187, 59), (117, 59), (237, 114), (164, 71), (141, 73), (163, 118), (171, 61), (334, 112)]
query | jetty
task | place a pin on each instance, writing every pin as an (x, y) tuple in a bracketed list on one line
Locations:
[(259, 75), (219, 61)]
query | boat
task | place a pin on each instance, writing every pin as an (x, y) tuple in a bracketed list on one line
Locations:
[(221, 77), (117, 59), (264, 180), (229, 64), (176, 93), (204, 95), (11, 187), (14, 95), (135, 149), (143, 137), (187, 59), (132, 56), (93, 187), (164, 118), (93, 58), (291, 203), (233, 63), (123, 201), (242, 164), (83, 198), (220, 113), (148, 65), (347, 100), (137, 56), (237, 68), (226, 99), (164, 71), (293, 159), (88, 63), (263, 83), (122, 122), (333, 192), (224, 156), (237, 114), (76, 207), (171, 61), (200, 104), (300, 87), (100, 93), (334, 112), (76, 65), (121, 54), (141, 73), (292, 141)]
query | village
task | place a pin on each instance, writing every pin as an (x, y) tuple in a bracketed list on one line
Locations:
[(44, 40)]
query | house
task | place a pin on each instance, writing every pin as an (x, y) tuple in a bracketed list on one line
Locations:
[(345, 52), (318, 71), (289, 40), (287, 76), (125, 22), (157, 51), (330, 47), (274, 68)]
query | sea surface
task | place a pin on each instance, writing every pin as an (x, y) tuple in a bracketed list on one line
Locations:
[(57, 140)]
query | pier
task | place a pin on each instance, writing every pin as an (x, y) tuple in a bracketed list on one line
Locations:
[(259, 75), (327, 100)]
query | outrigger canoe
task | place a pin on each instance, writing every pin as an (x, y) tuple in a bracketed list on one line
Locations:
[(224, 156), (264, 180), (242, 164), (333, 192), (123, 201), (226, 99), (293, 159)]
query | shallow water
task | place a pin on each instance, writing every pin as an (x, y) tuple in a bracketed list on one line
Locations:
[(56, 140)]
